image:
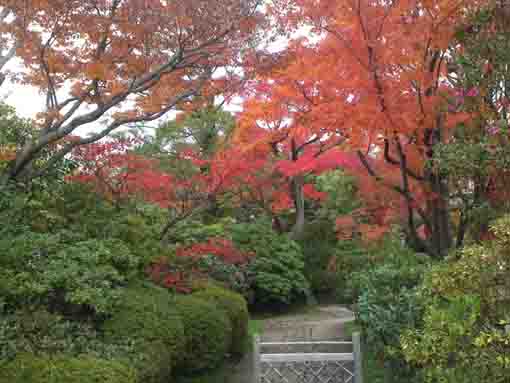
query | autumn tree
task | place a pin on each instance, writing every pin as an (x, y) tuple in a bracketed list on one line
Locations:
[(377, 74), (110, 63), (276, 118)]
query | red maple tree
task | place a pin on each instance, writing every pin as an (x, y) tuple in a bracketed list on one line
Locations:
[(374, 81)]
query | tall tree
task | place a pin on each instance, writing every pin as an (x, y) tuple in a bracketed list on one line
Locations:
[(377, 75), (277, 116), (114, 62)]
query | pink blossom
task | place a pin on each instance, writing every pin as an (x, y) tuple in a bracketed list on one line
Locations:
[(473, 92), (492, 129)]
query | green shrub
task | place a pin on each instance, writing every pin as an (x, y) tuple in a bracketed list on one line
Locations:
[(147, 317), (236, 277), (318, 243), (277, 271), (42, 333), (237, 311), (63, 369), (67, 276), (189, 232), (389, 304), (349, 258), (207, 331), (467, 306)]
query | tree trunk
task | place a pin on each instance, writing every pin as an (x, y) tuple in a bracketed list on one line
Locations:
[(299, 203), (298, 196)]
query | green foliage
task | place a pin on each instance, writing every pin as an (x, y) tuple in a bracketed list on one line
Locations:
[(62, 369), (65, 275), (466, 301), (318, 243), (207, 334), (136, 224), (389, 267), (42, 333), (147, 318), (341, 190), (236, 309), (189, 232), (236, 277), (350, 258), (388, 304), (278, 266), (13, 129), (202, 130), (326, 258)]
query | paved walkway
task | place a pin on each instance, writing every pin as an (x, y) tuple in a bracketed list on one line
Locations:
[(320, 323)]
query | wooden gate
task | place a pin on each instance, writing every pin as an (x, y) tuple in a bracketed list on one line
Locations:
[(308, 362)]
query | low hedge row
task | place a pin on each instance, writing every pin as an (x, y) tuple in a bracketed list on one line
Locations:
[(29, 369), (168, 336), (147, 317)]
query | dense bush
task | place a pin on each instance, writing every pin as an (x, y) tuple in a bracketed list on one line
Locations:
[(189, 232), (467, 305), (147, 317), (42, 333), (349, 259), (207, 334), (318, 243), (236, 277), (388, 304), (237, 311), (278, 266), (31, 369), (68, 276)]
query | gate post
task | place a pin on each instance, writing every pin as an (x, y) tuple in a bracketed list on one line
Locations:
[(256, 359), (358, 361)]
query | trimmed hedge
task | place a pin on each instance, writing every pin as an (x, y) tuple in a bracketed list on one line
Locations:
[(208, 334), (30, 369), (236, 309), (148, 318)]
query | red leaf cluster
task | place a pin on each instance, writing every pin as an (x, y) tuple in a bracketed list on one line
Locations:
[(180, 276), (115, 172), (219, 247), (164, 274)]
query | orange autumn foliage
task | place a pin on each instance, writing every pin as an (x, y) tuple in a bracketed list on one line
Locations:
[(371, 80), (117, 62)]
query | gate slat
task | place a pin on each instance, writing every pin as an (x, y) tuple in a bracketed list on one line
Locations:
[(306, 357)]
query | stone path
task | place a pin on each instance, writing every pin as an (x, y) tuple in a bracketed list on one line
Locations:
[(319, 323)]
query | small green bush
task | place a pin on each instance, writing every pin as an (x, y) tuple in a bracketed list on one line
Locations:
[(236, 308), (208, 334), (277, 270), (30, 369), (147, 317)]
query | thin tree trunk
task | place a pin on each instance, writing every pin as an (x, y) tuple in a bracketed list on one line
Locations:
[(299, 203)]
